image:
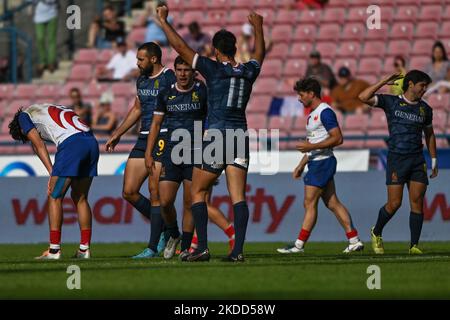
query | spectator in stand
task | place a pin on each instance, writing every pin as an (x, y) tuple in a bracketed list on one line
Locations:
[(82, 109), (245, 43), (103, 33), (154, 33), (320, 71), (46, 24), (199, 41), (399, 65), (122, 65), (439, 70), (345, 95), (105, 120)]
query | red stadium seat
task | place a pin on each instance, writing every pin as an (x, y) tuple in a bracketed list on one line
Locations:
[(26, 91), (300, 50), (216, 17), (370, 79), (439, 121), (295, 68), (194, 5), (349, 49), (305, 33), (193, 16), (330, 32), (327, 49), (65, 89), (286, 87), (104, 55), (268, 15), (175, 4), (388, 66), (282, 33), (445, 29), (356, 122), (219, 5), (446, 14), (265, 86), (370, 66), (419, 62), (439, 101), (279, 51), (6, 91), (333, 15), (66, 101), (374, 49), (407, 14), (399, 48), (259, 104), (137, 36), (242, 4), (427, 30), (286, 17), (402, 30), (337, 4), (272, 68), (49, 91), (300, 123), (411, 2), (272, 4), (428, 2), (378, 120), (431, 13), (387, 14), (81, 72), (123, 89), (422, 47), (238, 17), (375, 144), (377, 34), (310, 16), (357, 14), (15, 104), (256, 121), (86, 56), (353, 31), (279, 122), (95, 90)]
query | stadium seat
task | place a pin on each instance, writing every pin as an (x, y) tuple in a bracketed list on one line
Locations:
[(351, 143), (193, 16), (305, 33), (272, 4), (310, 16), (375, 144), (49, 91), (123, 89), (442, 143), (194, 5), (410, 2), (296, 135), (439, 121), (445, 29), (215, 18), (6, 91), (377, 120), (67, 102), (387, 14), (286, 87), (337, 4), (300, 50), (446, 14), (377, 34), (238, 17), (353, 31), (256, 121), (242, 4), (81, 72), (370, 66), (402, 30), (374, 49), (431, 13), (265, 86), (137, 36), (419, 62), (281, 33), (333, 15), (356, 122), (25, 91), (369, 78), (329, 32), (279, 122), (179, 4), (349, 49), (14, 105), (427, 30), (272, 68), (357, 14), (406, 14), (94, 90), (279, 51), (268, 15), (422, 47), (259, 104), (104, 55), (219, 5), (300, 123), (294, 68), (65, 89), (399, 48), (120, 106), (388, 66), (86, 56), (327, 49), (286, 17), (439, 101)]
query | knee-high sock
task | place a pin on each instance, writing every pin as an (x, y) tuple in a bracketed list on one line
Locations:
[(144, 206), (415, 226), (156, 223), (383, 218), (186, 240), (241, 215), (200, 214)]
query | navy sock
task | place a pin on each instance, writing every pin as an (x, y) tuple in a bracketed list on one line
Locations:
[(200, 214), (383, 218), (172, 229), (415, 225), (241, 215), (156, 223), (143, 206), (186, 240)]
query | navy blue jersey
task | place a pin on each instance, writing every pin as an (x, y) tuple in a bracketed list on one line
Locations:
[(406, 122), (148, 89), (229, 90), (181, 108)]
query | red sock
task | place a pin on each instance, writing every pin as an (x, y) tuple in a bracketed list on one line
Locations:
[(86, 237), (352, 234), (229, 231), (55, 239), (304, 235), (194, 242)]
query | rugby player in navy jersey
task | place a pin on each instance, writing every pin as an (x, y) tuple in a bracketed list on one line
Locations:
[(408, 116), (153, 79), (183, 106), (229, 86)]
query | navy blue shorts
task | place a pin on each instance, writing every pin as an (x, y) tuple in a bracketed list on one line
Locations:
[(402, 168), (231, 154), (320, 172), (176, 172), (77, 156), (140, 147)]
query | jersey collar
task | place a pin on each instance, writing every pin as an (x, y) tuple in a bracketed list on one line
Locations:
[(409, 102), (187, 90), (159, 73)]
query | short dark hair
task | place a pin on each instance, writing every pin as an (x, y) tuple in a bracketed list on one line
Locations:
[(153, 49), (14, 128), (194, 26), (225, 42), (439, 44), (308, 85), (179, 60), (415, 76)]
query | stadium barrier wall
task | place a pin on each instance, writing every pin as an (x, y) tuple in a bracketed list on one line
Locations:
[(275, 203), (30, 165)]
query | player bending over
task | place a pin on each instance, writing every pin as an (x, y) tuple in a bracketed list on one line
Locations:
[(75, 166), (407, 116), (323, 134)]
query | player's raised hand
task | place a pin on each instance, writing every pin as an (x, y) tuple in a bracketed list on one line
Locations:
[(255, 19), (163, 13), (390, 80), (111, 143)]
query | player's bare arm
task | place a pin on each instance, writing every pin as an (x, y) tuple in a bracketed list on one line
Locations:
[(40, 149), (151, 141), (430, 140), (300, 167), (367, 96), (335, 139), (260, 47), (175, 40), (132, 117)]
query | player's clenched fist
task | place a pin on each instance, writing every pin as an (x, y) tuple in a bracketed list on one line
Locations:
[(255, 19), (111, 143), (162, 12)]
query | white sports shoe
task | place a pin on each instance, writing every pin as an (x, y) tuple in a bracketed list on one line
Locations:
[(291, 249), (46, 255), (171, 247), (83, 255), (358, 246)]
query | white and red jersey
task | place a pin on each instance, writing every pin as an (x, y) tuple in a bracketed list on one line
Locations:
[(320, 121), (55, 123)]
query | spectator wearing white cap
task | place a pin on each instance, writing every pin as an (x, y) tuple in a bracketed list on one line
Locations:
[(105, 119), (245, 42)]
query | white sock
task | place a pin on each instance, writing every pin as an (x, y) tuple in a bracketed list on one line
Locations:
[(353, 240), (84, 247), (55, 246), (299, 243)]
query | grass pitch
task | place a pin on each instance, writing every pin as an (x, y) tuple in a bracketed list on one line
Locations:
[(320, 273)]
